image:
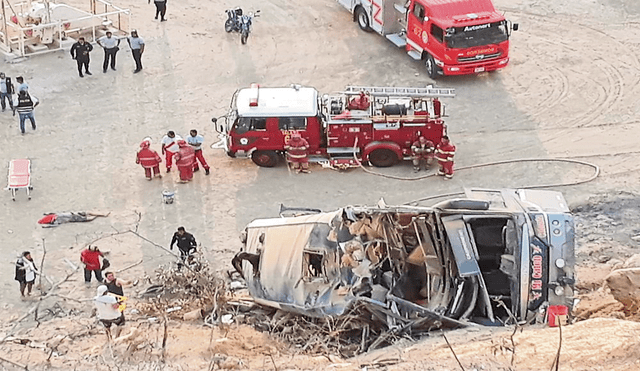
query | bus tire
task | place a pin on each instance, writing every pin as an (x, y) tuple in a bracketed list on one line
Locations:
[(363, 19), (383, 157), (265, 158)]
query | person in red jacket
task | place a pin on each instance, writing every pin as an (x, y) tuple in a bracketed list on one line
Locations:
[(149, 159), (297, 153), (444, 153), (185, 160), (90, 257)]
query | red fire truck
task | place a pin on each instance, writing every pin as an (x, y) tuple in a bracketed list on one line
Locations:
[(373, 124), (452, 37)]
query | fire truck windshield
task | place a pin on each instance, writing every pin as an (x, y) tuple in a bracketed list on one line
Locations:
[(478, 35)]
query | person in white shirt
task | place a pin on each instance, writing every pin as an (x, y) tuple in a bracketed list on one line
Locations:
[(137, 48), (195, 140), (21, 84), (111, 46), (107, 310), (170, 147)]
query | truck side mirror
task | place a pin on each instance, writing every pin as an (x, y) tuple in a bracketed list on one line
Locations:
[(515, 27), (214, 120)]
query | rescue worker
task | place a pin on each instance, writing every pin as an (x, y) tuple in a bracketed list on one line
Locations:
[(24, 105), (149, 159), (185, 160), (80, 52), (444, 153), (422, 149), (297, 153), (170, 147), (195, 140), (361, 102), (186, 244)]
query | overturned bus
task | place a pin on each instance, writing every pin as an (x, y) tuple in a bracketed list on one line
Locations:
[(494, 257)]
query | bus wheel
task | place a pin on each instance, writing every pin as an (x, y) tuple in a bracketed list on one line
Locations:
[(383, 158), (363, 19), (265, 158), (432, 69)]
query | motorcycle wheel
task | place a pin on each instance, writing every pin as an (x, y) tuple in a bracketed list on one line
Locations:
[(228, 25), (244, 37)]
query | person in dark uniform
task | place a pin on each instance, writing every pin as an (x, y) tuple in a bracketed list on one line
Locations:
[(161, 9), (6, 91), (80, 52), (186, 244)]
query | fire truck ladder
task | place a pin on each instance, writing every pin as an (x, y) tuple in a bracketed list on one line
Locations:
[(427, 92)]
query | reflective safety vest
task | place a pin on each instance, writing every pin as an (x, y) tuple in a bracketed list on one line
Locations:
[(445, 152), (297, 148), (186, 156), (148, 158), (25, 104)]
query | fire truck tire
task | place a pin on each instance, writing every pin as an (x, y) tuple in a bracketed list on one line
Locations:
[(363, 19), (265, 158), (432, 69), (383, 158)]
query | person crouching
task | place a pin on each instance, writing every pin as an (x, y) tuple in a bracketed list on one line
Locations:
[(185, 160)]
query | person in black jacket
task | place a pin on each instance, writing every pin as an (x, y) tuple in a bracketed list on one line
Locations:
[(186, 244), (26, 272), (6, 91), (80, 52)]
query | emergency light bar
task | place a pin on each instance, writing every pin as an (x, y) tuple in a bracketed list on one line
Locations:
[(253, 99)]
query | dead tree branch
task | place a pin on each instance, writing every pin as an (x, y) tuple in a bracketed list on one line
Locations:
[(14, 363), (452, 351)]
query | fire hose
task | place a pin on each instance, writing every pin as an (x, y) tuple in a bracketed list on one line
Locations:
[(596, 173)]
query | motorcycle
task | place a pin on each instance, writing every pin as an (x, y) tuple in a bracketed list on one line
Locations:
[(239, 22)]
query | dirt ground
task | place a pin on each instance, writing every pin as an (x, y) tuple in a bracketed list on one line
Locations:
[(570, 92)]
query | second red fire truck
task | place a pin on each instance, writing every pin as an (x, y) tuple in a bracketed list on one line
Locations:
[(370, 124), (452, 37)]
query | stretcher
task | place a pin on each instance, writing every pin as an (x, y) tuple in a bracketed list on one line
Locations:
[(19, 177)]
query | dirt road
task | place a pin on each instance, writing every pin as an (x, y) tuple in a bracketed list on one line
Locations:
[(570, 92)]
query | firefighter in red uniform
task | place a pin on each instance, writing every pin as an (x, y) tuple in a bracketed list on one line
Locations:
[(361, 102), (444, 153), (297, 153), (149, 159), (422, 149), (185, 160)]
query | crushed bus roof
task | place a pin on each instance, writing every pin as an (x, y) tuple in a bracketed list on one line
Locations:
[(277, 102)]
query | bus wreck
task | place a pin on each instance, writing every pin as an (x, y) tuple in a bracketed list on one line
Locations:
[(495, 257)]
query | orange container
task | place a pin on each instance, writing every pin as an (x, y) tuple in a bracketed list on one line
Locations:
[(557, 314)]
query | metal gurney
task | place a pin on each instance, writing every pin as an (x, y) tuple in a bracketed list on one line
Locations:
[(19, 176)]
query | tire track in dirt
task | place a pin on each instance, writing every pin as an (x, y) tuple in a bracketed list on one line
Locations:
[(605, 85)]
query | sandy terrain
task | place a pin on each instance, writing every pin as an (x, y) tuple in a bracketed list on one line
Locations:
[(570, 92)]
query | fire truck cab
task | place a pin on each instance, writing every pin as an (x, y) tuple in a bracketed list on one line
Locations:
[(452, 37), (372, 124)]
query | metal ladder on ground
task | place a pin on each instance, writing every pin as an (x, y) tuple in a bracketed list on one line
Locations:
[(390, 91)]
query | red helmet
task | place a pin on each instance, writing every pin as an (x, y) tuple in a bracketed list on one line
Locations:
[(145, 144), (182, 143)]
